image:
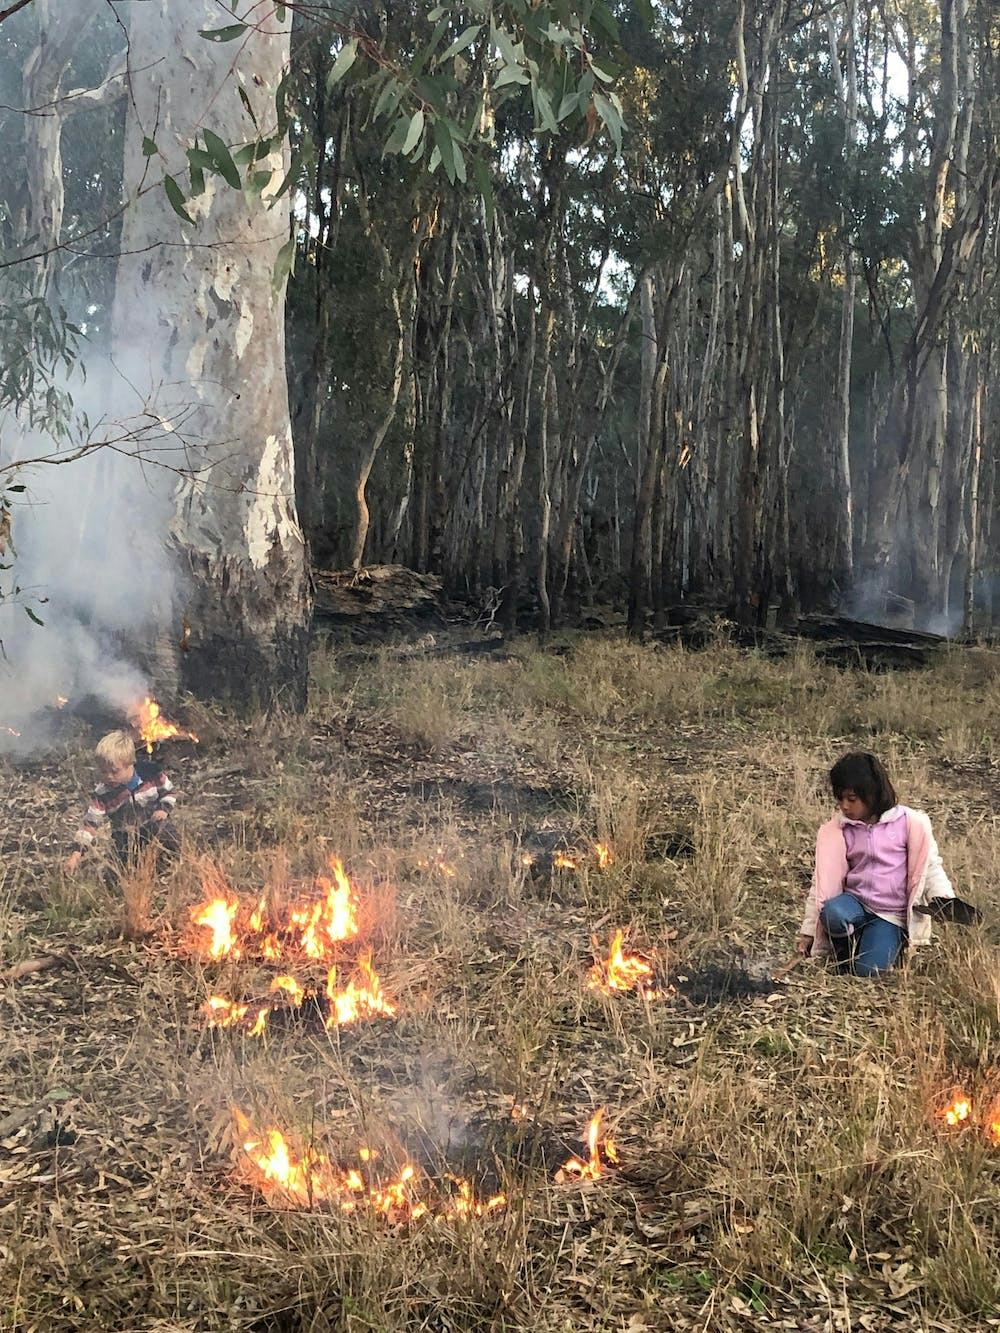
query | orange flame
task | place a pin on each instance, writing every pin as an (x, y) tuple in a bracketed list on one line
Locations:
[(310, 1178), (563, 861), (218, 914), (291, 987), (619, 971), (361, 998), (604, 855), (593, 1167), (957, 1111), (148, 720), (223, 1013), (312, 925)]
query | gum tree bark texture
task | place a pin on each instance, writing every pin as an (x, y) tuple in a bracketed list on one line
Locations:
[(200, 350)]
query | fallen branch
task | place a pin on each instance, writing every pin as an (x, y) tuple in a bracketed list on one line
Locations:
[(32, 965)]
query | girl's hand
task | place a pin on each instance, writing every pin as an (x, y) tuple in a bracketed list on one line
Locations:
[(803, 944)]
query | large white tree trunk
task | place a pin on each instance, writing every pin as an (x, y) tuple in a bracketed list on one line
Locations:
[(199, 334)]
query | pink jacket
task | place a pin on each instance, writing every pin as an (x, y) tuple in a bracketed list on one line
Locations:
[(925, 876)]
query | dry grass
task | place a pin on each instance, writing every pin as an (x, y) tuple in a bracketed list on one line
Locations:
[(784, 1162)]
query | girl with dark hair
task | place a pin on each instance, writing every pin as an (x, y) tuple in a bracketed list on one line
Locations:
[(877, 868)]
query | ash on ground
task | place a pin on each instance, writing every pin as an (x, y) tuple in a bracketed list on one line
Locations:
[(722, 980)]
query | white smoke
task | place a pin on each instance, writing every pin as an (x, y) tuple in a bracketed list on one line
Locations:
[(90, 556)]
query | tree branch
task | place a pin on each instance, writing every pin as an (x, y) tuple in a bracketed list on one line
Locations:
[(12, 9)]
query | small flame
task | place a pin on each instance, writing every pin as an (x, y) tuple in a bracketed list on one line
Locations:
[(218, 914), (291, 987), (593, 1167), (11, 731), (957, 1111), (223, 1013), (310, 1178), (61, 701), (563, 861), (604, 855), (361, 998), (619, 971), (148, 720)]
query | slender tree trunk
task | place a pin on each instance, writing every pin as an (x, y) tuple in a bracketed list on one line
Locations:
[(972, 564), (842, 500)]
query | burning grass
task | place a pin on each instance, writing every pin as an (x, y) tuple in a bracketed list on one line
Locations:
[(311, 925), (819, 1150), (360, 1000)]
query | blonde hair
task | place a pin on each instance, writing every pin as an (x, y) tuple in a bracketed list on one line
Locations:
[(116, 748)]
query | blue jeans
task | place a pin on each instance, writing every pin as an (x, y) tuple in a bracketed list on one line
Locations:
[(874, 945)]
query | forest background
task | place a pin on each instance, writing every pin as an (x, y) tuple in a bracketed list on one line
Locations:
[(741, 352)]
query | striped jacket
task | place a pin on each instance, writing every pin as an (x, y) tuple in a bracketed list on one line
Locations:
[(127, 804)]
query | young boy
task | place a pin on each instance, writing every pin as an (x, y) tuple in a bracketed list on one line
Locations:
[(135, 798)]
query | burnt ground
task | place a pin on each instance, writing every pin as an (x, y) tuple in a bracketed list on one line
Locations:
[(782, 1160)]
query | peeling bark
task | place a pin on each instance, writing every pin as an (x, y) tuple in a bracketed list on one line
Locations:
[(199, 335)]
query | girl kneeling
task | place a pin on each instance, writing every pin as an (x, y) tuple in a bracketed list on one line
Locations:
[(876, 861)]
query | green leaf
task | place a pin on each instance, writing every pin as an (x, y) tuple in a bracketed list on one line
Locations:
[(459, 164), (397, 137), (227, 34), (388, 98), (283, 264), (611, 117), (197, 181), (175, 196), (346, 57), (543, 108), (257, 181), (482, 175), (16, 490), (256, 151), (148, 146), (442, 138), (604, 78), (568, 104), (250, 111), (460, 43), (222, 159), (423, 55), (279, 13), (511, 74), (413, 133), (294, 167), (31, 615), (501, 39), (605, 20), (199, 158)]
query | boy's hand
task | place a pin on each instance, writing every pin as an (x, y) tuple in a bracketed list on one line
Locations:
[(158, 816), (72, 863), (803, 944)]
